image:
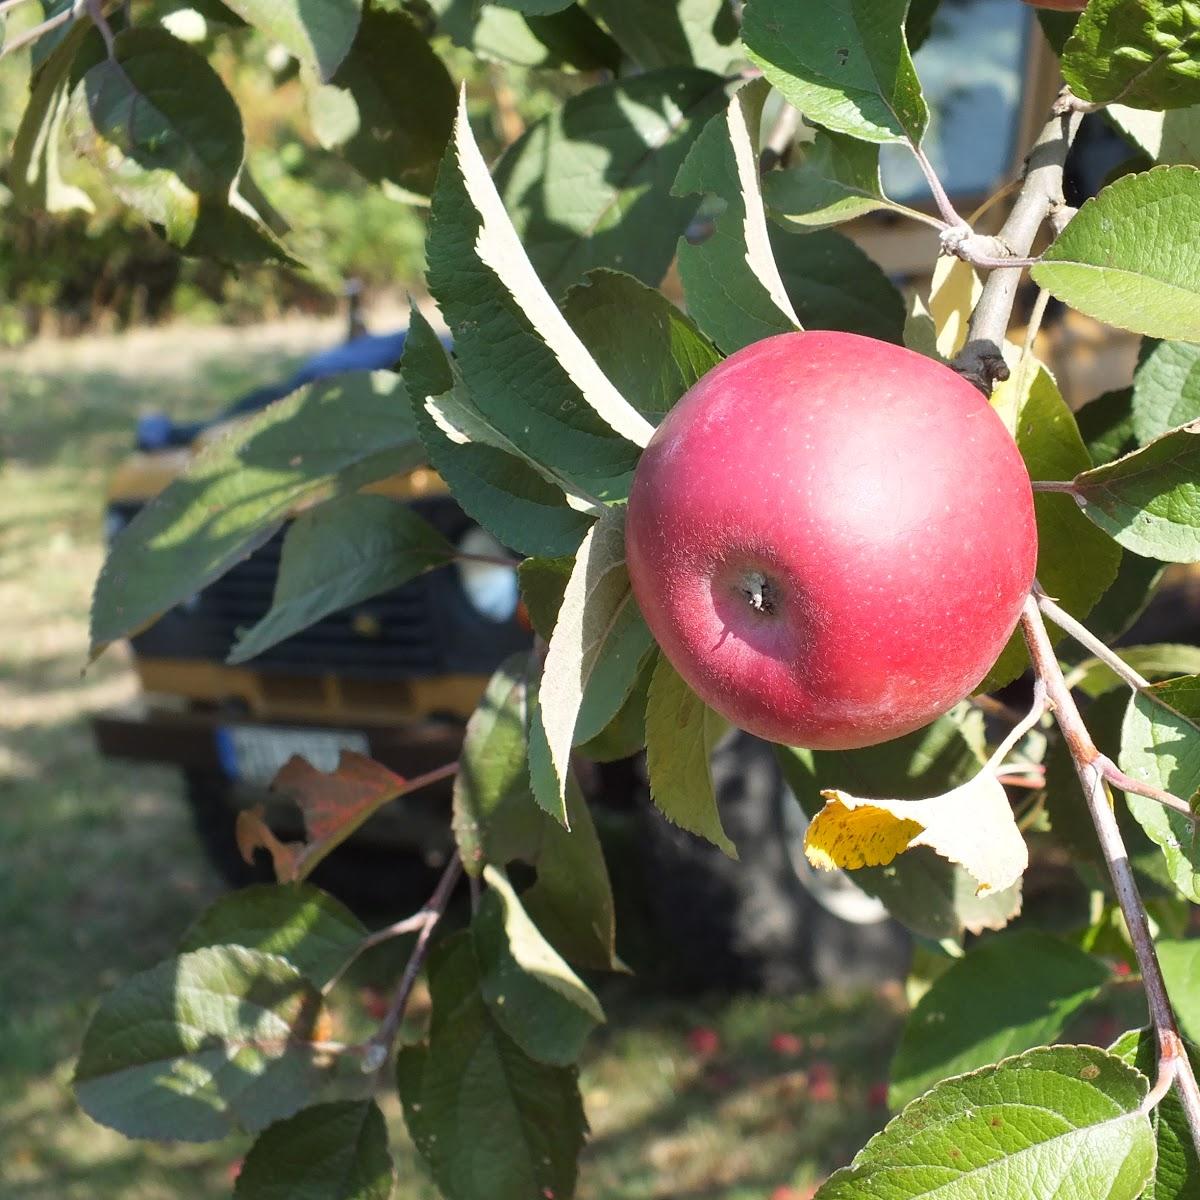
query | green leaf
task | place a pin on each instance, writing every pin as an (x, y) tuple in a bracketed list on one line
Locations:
[(536, 8), (1160, 745), (543, 583), (1119, 259), (1180, 962), (495, 816), (201, 1045), (844, 64), (1008, 994), (33, 170), (928, 894), (1076, 562), (1051, 1123), (650, 350), (1177, 1172), (731, 280), (832, 284), (1094, 677), (336, 1151), (572, 902), (296, 921), (398, 122), (595, 652), (681, 731), (319, 35), (837, 180), (589, 185), (1166, 138), (490, 1122), (1106, 425), (525, 507), (230, 231), (625, 734), (239, 489), (1149, 501), (564, 39), (340, 554), (1058, 27), (531, 992), (1166, 390), (160, 104), (1143, 53), (161, 128), (1126, 599), (544, 393), (699, 33)]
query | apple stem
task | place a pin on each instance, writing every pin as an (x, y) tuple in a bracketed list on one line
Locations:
[(980, 361), (757, 589), (1174, 1064)]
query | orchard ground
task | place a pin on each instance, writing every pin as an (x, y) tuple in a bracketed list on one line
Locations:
[(100, 873)]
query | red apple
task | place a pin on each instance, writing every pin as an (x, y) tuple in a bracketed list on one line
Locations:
[(831, 538)]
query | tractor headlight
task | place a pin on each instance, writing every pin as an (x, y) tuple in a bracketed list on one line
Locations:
[(489, 582)]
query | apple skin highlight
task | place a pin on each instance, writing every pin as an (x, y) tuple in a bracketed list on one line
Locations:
[(831, 538)]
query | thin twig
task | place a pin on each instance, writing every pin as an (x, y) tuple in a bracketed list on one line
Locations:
[(39, 31), (980, 359), (1118, 779), (413, 924), (1026, 723), (1084, 755), (1100, 651), (1088, 640), (95, 10), (991, 707), (386, 1033), (994, 199)]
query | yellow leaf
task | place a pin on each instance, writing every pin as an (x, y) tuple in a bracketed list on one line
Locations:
[(972, 825), (952, 298)]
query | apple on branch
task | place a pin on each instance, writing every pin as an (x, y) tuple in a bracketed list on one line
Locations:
[(831, 538)]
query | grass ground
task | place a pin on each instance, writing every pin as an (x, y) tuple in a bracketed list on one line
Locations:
[(99, 871)]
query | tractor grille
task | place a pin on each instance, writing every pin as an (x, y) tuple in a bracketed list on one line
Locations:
[(424, 628), (392, 634)]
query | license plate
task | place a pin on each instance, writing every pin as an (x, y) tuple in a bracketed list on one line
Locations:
[(255, 753)]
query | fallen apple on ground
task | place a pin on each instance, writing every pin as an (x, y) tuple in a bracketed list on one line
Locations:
[(831, 538)]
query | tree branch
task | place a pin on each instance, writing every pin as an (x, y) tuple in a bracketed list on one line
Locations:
[(1085, 757), (382, 1040), (980, 359)]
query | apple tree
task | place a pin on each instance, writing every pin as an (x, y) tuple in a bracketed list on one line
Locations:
[(865, 525)]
